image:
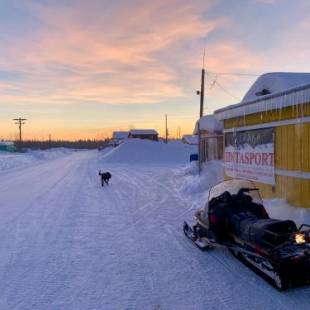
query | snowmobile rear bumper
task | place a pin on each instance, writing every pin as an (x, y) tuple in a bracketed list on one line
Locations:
[(297, 271)]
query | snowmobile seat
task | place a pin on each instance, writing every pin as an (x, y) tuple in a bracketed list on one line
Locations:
[(267, 232)]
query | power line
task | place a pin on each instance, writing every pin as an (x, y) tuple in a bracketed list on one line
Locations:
[(233, 73), (226, 91)]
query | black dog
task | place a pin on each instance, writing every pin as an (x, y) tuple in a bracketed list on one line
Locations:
[(105, 177)]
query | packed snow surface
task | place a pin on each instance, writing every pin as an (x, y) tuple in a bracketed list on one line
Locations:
[(68, 243), (19, 160)]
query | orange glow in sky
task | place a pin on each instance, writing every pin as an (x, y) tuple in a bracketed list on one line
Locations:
[(81, 69)]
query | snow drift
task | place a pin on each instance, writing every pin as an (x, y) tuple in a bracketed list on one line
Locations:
[(195, 189), (136, 151), (13, 161)]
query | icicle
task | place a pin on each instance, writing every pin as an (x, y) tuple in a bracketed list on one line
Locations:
[(272, 107), (244, 119), (281, 105), (302, 140)]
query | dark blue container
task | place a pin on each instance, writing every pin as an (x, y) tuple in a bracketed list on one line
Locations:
[(193, 157)]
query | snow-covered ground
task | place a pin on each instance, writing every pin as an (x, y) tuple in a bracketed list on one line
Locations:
[(67, 243), (9, 161)]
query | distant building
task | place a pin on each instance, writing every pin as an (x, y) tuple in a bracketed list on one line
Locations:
[(149, 134), (190, 139), (119, 136), (7, 146), (209, 131)]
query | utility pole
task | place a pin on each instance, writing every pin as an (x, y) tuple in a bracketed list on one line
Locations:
[(202, 87), (20, 122), (166, 122), (202, 94), (179, 132)]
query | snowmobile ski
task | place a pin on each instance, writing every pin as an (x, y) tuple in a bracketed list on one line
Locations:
[(202, 243)]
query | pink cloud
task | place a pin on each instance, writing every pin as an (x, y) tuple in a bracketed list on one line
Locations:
[(80, 52)]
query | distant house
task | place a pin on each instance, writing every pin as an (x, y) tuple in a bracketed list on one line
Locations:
[(7, 146), (119, 136), (149, 134), (190, 139)]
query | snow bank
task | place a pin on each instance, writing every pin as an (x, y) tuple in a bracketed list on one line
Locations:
[(137, 151), (14, 160), (53, 153), (195, 189), (211, 174), (10, 161), (279, 208)]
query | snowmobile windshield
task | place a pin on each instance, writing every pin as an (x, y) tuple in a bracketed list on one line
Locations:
[(234, 187)]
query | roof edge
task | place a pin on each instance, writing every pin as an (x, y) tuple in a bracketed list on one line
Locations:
[(220, 114)]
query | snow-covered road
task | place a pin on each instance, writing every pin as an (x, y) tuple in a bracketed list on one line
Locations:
[(67, 243)]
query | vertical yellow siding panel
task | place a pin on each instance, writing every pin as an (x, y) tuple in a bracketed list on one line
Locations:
[(277, 148), (284, 148), (304, 148), (291, 140)]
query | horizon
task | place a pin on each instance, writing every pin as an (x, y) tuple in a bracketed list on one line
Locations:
[(81, 70)]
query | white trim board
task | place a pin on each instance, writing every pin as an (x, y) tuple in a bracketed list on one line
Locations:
[(293, 173), (286, 122)]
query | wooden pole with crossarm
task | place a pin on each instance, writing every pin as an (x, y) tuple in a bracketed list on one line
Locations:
[(20, 122)]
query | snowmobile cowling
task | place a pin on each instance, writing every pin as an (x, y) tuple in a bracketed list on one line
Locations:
[(235, 218)]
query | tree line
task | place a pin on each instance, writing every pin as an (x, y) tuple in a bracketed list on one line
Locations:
[(47, 144)]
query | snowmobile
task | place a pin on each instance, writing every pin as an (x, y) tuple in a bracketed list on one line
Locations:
[(235, 218)]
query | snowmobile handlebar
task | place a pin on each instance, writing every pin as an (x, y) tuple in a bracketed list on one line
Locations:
[(303, 225), (246, 190)]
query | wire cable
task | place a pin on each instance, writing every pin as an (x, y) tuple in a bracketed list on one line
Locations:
[(226, 91), (233, 73)]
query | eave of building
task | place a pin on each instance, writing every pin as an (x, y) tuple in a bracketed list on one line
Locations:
[(276, 101)]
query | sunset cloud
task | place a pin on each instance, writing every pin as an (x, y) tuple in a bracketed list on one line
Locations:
[(98, 64), (101, 52)]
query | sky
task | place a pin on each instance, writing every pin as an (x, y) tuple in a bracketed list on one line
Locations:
[(81, 69)]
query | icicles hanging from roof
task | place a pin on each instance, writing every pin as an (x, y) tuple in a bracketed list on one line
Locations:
[(286, 98)]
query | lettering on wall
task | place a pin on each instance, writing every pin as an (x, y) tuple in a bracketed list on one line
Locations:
[(250, 155)]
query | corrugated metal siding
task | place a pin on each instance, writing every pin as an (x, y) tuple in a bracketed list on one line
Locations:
[(292, 152)]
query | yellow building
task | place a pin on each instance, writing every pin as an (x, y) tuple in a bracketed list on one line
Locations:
[(267, 137)]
